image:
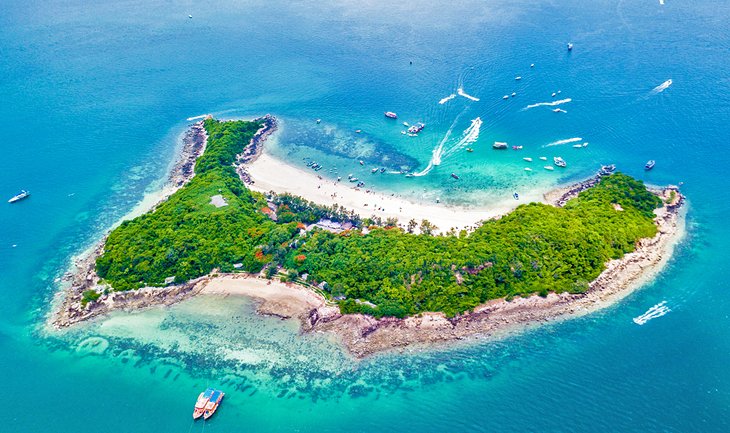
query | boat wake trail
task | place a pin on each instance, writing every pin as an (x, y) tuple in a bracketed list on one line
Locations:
[(662, 87), (566, 141), (461, 92), (658, 310), (548, 104), (470, 135), (447, 99)]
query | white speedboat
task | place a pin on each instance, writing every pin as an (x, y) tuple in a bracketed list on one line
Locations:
[(20, 196)]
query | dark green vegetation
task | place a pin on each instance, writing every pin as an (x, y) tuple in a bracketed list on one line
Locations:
[(535, 249)]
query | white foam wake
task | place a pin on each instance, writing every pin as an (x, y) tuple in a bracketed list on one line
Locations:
[(657, 310), (662, 87), (548, 104), (470, 135), (447, 99), (566, 141), (461, 92), (196, 117)]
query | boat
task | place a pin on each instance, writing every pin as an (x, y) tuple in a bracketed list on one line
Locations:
[(650, 164), (585, 144), (354, 179), (560, 162), (375, 170), (412, 134), (358, 130), (20, 196), (516, 147), (557, 110), (528, 169), (607, 169), (362, 162), (544, 158), (406, 124), (213, 403), (455, 176), (532, 65), (202, 402), (499, 145), (469, 149), (553, 95), (409, 175), (360, 185), (319, 121), (382, 169), (391, 115), (578, 146), (528, 159), (549, 167), (505, 97), (415, 129), (403, 132), (514, 94), (570, 46), (190, 16), (516, 196), (518, 78)]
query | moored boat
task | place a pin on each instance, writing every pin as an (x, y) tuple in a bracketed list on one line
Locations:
[(455, 176), (560, 162), (375, 170), (202, 401), (516, 147), (391, 115), (570, 46), (650, 164), (20, 196), (415, 129), (528, 159), (469, 149), (607, 169), (549, 167), (499, 145), (543, 158), (215, 400)]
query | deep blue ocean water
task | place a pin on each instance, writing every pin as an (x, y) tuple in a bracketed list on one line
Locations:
[(94, 98)]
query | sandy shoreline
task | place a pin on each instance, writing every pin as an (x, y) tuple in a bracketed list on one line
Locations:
[(364, 335), (268, 173)]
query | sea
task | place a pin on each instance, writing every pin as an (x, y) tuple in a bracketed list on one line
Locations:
[(94, 99)]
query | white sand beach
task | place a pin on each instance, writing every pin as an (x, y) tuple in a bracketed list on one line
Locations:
[(271, 174)]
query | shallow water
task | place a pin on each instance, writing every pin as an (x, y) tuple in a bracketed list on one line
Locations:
[(95, 97)]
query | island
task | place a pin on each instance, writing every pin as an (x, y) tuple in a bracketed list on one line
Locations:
[(377, 283)]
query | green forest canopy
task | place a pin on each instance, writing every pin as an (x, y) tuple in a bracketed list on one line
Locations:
[(537, 248)]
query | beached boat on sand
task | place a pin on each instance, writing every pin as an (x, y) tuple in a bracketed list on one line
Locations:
[(213, 403), (202, 401)]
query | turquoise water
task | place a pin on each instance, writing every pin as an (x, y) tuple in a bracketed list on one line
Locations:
[(95, 96)]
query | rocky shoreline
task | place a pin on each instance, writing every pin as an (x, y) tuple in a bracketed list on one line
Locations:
[(82, 275), (255, 147), (364, 335)]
